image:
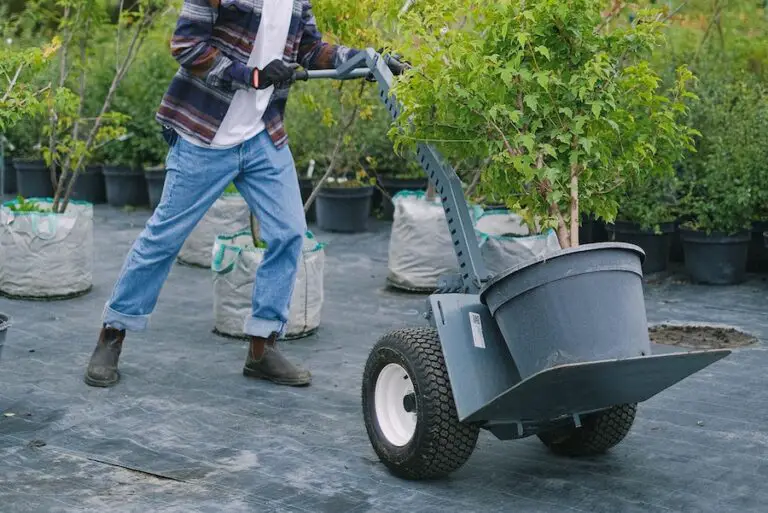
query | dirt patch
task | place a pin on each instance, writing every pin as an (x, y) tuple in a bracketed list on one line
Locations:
[(700, 337)]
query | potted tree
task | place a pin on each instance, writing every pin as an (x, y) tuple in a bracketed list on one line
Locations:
[(565, 104), (57, 233), (718, 189)]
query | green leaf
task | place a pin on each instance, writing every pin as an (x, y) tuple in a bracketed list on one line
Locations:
[(543, 50), (597, 108), (532, 101)]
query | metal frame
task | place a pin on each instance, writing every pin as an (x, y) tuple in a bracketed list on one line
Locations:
[(473, 273)]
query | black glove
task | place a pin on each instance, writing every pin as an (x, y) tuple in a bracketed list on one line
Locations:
[(276, 73)]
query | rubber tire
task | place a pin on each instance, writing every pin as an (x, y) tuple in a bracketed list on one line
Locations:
[(441, 443), (598, 433)]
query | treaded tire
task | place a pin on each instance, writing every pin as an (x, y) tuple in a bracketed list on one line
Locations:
[(598, 433), (441, 443)]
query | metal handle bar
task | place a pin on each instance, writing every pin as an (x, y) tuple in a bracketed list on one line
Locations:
[(363, 72)]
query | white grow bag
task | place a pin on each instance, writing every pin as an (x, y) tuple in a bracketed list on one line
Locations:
[(505, 241), (46, 255), (228, 214), (234, 266), (420, 246)]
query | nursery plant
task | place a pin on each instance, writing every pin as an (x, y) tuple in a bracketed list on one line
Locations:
[(567, 109)]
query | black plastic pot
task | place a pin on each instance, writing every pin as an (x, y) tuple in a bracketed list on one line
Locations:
[(9, 177), (5, 323), (125, 186), (757, 257), (307, 187), (33, 179), (89, 186), (578, 305), (717, 258), (395, 185), (155, 181), (656, 247), (676, 253), (344, 209)]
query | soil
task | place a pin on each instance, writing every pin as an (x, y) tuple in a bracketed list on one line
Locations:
[(700, 337)]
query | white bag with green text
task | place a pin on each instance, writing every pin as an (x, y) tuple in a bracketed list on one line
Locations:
[(228, 214), (234, 267), (45, 255), (505, 240)]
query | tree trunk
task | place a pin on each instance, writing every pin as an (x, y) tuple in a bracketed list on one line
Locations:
[(574, 206)]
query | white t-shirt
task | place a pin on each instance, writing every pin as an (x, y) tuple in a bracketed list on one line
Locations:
[(244, 116)]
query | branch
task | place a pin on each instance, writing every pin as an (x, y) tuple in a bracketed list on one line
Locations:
[(335, 154), (12, 84)]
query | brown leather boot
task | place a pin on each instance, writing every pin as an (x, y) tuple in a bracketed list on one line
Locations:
[(264, 361), (102, 369)]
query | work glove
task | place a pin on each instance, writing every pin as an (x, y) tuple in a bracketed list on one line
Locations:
[(276, 73)]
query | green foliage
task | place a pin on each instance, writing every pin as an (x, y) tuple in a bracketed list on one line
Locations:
[(566, 112), (22, 205)]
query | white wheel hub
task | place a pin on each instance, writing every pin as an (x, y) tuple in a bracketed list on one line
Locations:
[(395, 404)]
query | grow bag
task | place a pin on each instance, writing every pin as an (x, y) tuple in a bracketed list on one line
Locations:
[(5, 323), (505, 241), (576, 305), (230, 213), (420, 246), (234, 267), (716, 258), (45, 255), (656, 246)]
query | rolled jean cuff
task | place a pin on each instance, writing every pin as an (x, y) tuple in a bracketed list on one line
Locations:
[(126, 322), (263, 327)]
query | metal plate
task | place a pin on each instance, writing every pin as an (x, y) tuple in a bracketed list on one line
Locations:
[(478, 374), (584, 387)]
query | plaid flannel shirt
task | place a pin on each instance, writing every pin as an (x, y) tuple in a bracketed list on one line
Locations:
[(212, 42)]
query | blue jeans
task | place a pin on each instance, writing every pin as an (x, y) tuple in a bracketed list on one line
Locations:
[(196, 177)]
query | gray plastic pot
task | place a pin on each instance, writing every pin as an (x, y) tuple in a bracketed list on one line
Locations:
[(344, 209), (655, 246), (395, 185), (576, 305), (717, 258), (9, 176), (757, 257), (5, 323), (155, 183), (33, 179), (89, 186), (125, 186)]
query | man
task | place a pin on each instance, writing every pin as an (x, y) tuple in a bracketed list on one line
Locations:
[(223, 117)]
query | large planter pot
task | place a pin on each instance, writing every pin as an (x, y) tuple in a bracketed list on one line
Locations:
[(234, 267), (228, 214), (579, 305), (676, 253), (89, 186), (344, 209), (716, 258), (757, 257), (33, 179), (307, 186), (126, 186), (45, 255), (395, 185), (9, 177), (655, 246), (5, 323), (155, 182)]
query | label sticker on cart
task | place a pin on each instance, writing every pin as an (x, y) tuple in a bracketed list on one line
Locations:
[(477, 330)]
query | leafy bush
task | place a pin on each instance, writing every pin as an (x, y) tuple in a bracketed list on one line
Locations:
[(566, 111)]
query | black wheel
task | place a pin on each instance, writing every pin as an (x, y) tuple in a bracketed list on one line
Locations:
[(598, 433), (409, 410)]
